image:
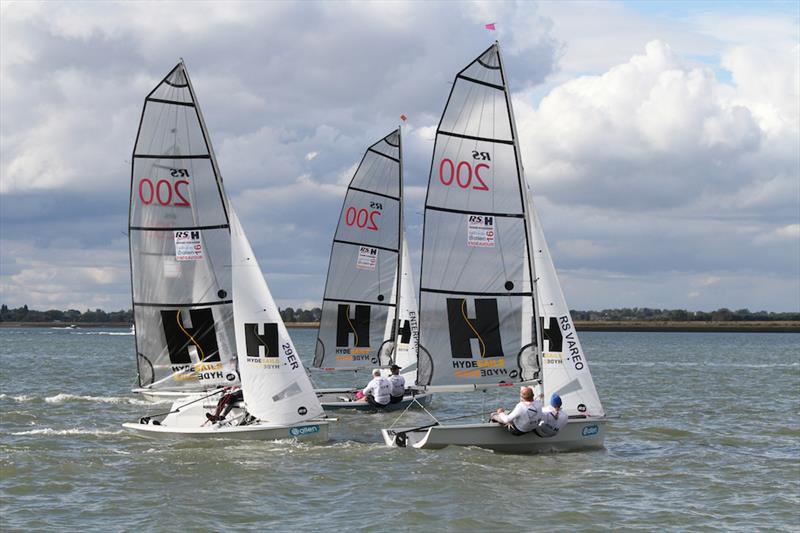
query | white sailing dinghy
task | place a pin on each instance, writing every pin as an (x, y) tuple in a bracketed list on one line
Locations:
[(478, 298), (279, 401), (364, 324)]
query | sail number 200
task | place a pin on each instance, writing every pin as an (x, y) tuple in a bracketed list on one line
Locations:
[(463, 174), (164, 192), (361, 218)]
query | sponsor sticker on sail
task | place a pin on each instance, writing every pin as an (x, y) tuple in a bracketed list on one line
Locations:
[(480, 231), (367, 258), (188, 246)]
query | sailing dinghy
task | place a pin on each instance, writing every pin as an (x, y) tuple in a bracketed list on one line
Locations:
[(201, 302), (481, 305), (369, 312)]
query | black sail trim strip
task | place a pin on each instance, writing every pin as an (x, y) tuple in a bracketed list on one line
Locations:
[(375, 193), (194, 304), (479, 82), (165, 156), (357, 302), (340, 241), (474, 138), (170, 102), (469, 293), (184, 85), (370, 149), (487, 66), (465, 212), (183, 228)]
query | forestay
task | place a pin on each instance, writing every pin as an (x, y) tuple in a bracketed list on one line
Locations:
[(179, 246), (275, 385), (564, 365), (476, 297), (362, 274)]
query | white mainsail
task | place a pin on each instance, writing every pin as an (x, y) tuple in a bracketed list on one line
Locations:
[(476, 278), (565, 369), (275, 385), (179, 241), (358, 302)]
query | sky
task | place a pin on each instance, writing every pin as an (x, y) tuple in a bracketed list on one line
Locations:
[(661, 139)]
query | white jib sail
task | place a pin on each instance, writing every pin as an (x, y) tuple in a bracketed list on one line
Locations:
[(274, 382), (406, 343), (565, 369)]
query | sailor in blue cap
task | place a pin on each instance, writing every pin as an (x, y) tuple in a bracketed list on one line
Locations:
[(553, 418)]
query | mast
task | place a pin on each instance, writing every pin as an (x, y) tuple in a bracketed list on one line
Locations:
[(523, 187), (217, 174), (400, 240)]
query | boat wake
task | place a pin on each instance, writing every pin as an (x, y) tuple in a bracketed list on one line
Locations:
[(73, 431), (62, 398)]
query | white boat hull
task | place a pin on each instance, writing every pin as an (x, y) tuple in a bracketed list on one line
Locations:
[(315, 431), (333, 399), (187, 419), (578, 434)]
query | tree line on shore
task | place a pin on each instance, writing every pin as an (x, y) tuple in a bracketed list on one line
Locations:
[(289, 314)]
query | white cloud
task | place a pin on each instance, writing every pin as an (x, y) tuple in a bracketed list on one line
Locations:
[(789, 234), (648, 164)]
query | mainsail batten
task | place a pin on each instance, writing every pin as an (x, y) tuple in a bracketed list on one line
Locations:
[(476, 278), (179, 240), (362, 282)]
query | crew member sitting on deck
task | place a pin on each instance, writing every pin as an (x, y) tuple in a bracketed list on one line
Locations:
[(553, 418), (524, 417), (398, 383), (225, 404), (376, 393)]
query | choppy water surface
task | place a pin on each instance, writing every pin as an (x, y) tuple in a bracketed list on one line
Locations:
[(708, 439)]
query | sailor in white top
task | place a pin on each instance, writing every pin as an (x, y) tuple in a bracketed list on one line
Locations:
[(553, 418), (524, 417), (376, 393), (398, 383)]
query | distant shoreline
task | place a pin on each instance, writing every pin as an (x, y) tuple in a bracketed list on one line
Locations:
[(777, 326)]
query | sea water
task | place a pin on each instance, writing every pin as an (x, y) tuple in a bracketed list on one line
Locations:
[(707, 439)]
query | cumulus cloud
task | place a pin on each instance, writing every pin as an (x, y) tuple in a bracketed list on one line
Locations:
[(657, 168)]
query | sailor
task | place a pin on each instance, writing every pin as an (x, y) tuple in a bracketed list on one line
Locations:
[(553, 418), (376, 393), (398, 384), (226, 403), (524, 417)]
